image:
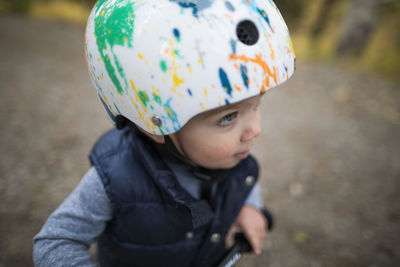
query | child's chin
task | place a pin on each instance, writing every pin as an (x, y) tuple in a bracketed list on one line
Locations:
[(227, 165)]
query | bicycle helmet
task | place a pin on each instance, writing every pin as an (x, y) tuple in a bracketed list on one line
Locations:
[(158, 63)]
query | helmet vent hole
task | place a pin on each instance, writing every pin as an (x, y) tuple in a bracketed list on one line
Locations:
[(247, 32)]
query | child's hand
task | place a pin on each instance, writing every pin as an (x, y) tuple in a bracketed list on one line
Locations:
[(253, 224)]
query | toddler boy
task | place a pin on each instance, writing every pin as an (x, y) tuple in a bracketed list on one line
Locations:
[(182, 82)]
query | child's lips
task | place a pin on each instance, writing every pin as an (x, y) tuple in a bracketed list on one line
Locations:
[(242, 155)]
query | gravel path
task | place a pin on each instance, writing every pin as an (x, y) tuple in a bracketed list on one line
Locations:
[(330, 152)]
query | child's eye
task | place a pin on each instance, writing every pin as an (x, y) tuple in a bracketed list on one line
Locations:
[(227, 119)]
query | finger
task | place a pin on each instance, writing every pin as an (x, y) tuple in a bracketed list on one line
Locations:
[(255, 238), (229, 236)]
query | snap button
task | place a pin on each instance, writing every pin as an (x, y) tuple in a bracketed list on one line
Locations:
[(189, 235), (215, 237), (156, 121), (249, 180)]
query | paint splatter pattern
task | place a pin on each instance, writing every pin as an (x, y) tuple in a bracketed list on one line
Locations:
[(173, 59)]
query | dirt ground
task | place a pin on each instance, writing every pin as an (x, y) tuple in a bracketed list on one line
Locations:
[(330, 152)]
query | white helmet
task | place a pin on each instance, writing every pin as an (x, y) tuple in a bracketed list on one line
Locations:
[(159, 63)]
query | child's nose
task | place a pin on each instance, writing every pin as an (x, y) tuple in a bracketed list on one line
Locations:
[(252, 127)]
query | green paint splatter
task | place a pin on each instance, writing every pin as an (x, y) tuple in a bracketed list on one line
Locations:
[(157, 98), (143, 97), (161, 131), (163, 65), (176, 52), (114, 23)]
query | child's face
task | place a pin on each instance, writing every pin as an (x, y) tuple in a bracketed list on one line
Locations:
[(222, 137)]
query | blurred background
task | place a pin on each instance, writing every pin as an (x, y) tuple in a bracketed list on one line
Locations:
[(329, 152)]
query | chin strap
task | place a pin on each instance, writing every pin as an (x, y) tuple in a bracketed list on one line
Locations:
[(207, 176)]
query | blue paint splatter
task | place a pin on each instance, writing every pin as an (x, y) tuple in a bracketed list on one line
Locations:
[(255, 9), (225, 81), (196, 5), (233, 45), (189, 92), (177, 34), (245, 77), (172, 115), (227, 101), (115, 105), (265, 16), (229, 6)]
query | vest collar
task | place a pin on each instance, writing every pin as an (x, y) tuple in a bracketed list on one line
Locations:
[(164, 178)]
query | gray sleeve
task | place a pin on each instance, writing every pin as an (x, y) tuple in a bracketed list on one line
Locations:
[(255, 199), (68, 232)]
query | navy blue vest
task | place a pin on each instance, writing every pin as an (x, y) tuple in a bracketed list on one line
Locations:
[(156, 222)]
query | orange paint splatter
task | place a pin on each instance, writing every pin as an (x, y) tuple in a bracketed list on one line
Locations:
[(237, 87), (264, 66), (227, 16)]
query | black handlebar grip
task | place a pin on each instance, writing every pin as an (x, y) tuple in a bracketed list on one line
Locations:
[(242, 245)]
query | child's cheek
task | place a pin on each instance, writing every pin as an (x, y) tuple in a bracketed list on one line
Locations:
[(221, 150)]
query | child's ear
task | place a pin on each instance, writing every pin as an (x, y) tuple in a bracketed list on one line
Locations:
[(157, 138)]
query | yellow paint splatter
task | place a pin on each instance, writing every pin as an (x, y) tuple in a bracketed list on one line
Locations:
[(106, 100), (272, 50), (177, 81), (155, 90), (140, 56), (175, 78), (171, 115), (137, 109), (205, 91), (137, 96), (291, 46)]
